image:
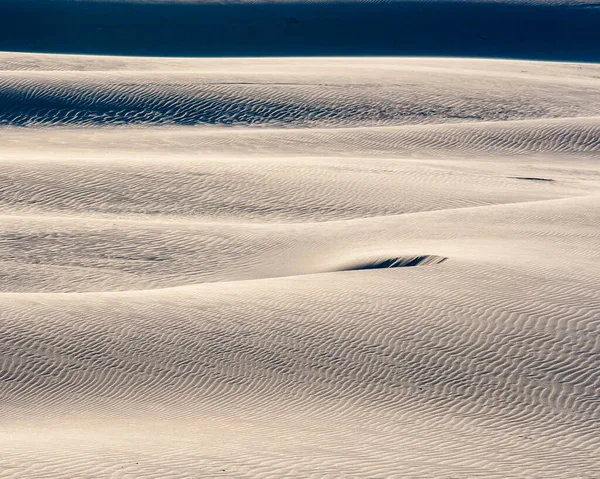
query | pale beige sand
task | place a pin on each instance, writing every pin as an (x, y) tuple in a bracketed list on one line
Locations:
[(184, 299)]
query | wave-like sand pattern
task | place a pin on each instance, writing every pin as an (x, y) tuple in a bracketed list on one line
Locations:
[(399, 96), (383, 268)]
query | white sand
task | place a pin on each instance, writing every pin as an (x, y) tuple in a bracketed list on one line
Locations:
[(179, 298)]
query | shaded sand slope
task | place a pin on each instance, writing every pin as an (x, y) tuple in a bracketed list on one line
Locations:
[(384, 268), (288, 93), (564, 30)]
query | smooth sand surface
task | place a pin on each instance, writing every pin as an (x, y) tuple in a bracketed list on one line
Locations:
[(269, 268)]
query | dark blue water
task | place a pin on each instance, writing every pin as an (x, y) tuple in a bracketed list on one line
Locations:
[(429, 28)]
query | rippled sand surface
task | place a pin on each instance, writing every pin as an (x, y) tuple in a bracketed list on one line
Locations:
[(334, 267)]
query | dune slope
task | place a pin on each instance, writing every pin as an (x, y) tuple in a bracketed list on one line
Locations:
[(266, 268)]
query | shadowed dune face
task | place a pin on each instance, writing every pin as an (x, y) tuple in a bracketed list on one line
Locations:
[(397, 262), (565, 31), (183, 299), (189, 92)]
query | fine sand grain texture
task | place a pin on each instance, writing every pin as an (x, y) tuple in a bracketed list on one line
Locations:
[(304, 268)]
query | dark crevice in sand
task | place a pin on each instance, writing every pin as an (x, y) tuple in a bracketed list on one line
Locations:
[(395, 262), (531, 178)]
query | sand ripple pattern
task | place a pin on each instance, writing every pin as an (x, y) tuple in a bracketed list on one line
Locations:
[(194, 97), (406, 289)]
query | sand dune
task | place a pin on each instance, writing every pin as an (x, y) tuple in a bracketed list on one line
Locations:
[(359, 267), (195, 92)]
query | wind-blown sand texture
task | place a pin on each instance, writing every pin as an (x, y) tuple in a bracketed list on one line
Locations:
[(268, 268)]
